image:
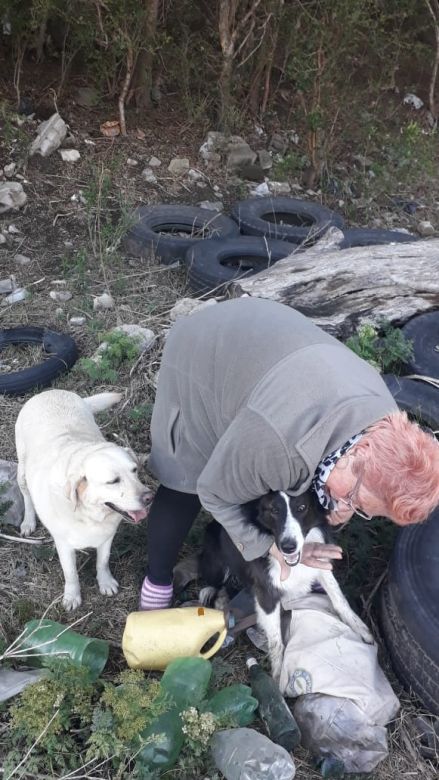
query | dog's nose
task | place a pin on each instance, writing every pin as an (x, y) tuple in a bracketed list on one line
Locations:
[(289, 547)]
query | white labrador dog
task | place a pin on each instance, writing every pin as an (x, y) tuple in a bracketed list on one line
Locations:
[(80, 485)]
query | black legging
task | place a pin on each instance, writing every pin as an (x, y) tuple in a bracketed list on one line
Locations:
[(169, 522)]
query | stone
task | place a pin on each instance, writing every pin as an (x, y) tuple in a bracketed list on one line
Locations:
[(50, 136), (77, 321), (22, 259), (208, 155), (9, 170), (12, 495), (13, 229), (425, 228), (87, 97), (179, 166), (154, 162), (132, 163), (211, 205), (70, 155), (265, 159), (413, 100), (278, 143), (252, 172), (7, 285), (201, 184), (195, 175), (186, 306), (2, 239), (20, 294), (60, 296), (149, 176), (12, 196), (261, 191), (144, 336), (279, 187), (102, 302), (239, 156)]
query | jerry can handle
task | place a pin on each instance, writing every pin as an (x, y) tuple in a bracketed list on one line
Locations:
[(217, 644)]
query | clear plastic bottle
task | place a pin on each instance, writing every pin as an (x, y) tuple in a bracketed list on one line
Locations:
[(245, 754), (273, 709)]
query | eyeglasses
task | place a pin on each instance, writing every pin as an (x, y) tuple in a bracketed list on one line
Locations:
[(349, 501)]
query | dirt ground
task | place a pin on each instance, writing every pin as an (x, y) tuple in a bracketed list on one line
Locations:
[(70, 229)]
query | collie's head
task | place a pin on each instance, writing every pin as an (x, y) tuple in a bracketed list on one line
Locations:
[(289, 518)]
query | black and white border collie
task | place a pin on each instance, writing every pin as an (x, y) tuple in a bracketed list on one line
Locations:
[(292, 521)]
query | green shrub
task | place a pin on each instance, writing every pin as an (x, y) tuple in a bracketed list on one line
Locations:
[(386, 352)]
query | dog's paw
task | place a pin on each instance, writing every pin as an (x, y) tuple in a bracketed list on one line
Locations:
[(108, 586), (71, 600), (367, 636), (28, 526)]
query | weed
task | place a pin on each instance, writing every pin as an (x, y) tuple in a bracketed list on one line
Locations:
[(116, 350), (386, 352), (290, 165)]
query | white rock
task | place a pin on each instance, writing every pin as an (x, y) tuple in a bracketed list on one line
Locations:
[(425, 228), (186, 306), (77, 321), (14, 230), (68, 244), (279, 187), (70, 155), (20, 294), (261, 191), (201, 185), (131, 162), (104, 301), (9, 170), (211, 205), (413, 100), (12, 196), (294, 138), (60, 296), (149, 176), (195, 175), (154, 162), (59, 312), (22, 259), (2, 239), (144, 336), (179, 166), (208, 155), (50, 136)]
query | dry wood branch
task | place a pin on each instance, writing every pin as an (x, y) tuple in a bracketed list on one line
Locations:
[(125, 88), (339, 290), (433, 7)]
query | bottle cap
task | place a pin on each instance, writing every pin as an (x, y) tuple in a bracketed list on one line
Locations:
[(251, 662)]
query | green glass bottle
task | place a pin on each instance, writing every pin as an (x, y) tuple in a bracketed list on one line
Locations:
[(273, 709)]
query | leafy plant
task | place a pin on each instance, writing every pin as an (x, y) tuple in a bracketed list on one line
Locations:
[(117, 349), (386, 352)]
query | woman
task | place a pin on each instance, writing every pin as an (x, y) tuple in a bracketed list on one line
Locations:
[(253, 397)]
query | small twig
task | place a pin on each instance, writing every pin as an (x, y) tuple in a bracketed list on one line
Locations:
[(38, 739), (40, 540)]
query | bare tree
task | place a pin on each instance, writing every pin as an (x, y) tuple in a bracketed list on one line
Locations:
[(433, 7)]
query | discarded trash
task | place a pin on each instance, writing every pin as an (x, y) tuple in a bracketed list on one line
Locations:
[(111, 128), (164, 740), (186, 681), (61, 296), (43, 638), (22, 259), (20, 294), (235, 703), (70, 155), (12, 196), (77, 321), (245, 754), (13, 682), (152, 640), (273, 709), (413, 100), (104, 301), (50, 136), (7, 285)]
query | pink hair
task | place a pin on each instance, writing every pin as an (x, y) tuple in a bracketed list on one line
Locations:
[(401, 468)]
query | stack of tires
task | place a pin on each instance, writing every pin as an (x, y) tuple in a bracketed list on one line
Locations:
[(259, 232)]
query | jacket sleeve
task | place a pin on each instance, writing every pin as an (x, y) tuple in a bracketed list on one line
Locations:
[(249, 460)]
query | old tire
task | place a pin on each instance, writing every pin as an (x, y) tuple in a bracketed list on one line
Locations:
[(155, 228), (419, 399), (62, 351), (423, 330), (369, 237), (213, 264), (286, 219), (410, 610)]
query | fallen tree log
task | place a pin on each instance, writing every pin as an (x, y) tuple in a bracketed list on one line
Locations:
[(342, 289)]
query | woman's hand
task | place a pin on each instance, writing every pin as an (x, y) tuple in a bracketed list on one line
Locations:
[(314, 554)]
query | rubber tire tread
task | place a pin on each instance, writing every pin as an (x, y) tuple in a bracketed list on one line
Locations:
[(142, 239), (424, 332), (203, 261), (248, 215), (370, 237), (419, 399), (61, 348), (416, 670)]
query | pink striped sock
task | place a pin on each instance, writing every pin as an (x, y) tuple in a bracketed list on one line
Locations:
[(155, 596)]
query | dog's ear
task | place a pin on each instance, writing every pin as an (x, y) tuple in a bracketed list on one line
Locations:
[(74, 489)]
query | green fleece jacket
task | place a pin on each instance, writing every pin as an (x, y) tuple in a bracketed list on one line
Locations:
[(251, 396)]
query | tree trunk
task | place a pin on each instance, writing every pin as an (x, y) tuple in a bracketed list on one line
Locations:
[(142, 79), (340, 290)]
